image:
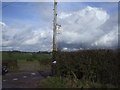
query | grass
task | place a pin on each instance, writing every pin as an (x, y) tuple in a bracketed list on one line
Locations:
[(24, 65), (26, 61), (61, 82), (25, 56), (53, 82)]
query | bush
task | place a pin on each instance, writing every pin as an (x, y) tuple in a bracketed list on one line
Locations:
[(96, 65)]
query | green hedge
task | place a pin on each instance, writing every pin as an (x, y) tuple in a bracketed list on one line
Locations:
[(96, 65)]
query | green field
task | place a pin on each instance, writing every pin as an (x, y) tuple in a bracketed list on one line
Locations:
[(26, 61), (24, 56)]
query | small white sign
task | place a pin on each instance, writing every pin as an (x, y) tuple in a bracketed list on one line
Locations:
[(54, 62)]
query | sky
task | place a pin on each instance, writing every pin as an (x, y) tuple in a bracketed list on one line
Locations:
[(28, 26)]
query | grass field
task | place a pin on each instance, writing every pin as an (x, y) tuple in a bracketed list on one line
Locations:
[(24, 56), (26, 61)]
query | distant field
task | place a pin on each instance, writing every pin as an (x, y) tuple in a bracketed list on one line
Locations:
[(26, 61), (25, 56)]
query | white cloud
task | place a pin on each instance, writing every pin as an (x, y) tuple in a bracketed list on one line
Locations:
[(109, 39), (32, 41), (2, 24), (84, 27), (27, 39), (64, 15), (65, 48)]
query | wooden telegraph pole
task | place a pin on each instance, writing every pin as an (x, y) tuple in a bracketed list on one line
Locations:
[(54, 25), (54, 39)]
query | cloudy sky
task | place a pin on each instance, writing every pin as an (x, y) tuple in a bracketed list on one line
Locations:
[(28, 26)]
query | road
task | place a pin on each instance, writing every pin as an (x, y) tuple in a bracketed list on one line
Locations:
[(24, 79)]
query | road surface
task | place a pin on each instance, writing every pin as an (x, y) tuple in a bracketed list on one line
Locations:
[(24, 79)]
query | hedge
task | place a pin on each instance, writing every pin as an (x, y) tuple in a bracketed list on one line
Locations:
[(94, 65)]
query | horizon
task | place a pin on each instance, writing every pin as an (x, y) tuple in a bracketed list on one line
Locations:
[(60, 51)]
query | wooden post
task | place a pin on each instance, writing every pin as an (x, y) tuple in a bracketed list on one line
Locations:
[(54, 38)]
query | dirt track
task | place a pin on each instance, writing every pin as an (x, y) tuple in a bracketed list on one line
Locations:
[(23, 79)]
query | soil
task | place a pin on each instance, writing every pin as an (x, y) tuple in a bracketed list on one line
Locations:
[(24, 79)]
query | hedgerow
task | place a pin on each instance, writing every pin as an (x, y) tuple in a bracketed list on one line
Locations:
[(93, 65)]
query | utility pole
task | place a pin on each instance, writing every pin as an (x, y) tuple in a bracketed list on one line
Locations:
[(54, 25), (54, 39)]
